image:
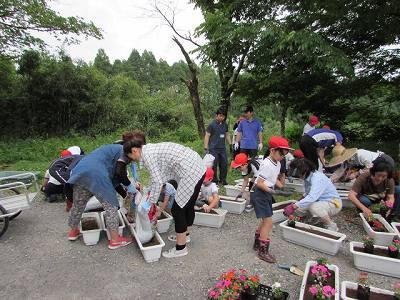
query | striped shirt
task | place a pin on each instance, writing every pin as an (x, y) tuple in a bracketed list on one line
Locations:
[(325, 137), (166, 161)]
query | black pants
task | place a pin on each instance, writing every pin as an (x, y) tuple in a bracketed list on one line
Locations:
[(221, 161), (184, 216), (53, 189), (384, 158), (250, 152), (309, 147)]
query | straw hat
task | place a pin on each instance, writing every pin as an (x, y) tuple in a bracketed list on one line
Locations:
[(341, 154)]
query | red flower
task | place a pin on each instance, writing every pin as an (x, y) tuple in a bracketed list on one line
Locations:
[(291, 217)]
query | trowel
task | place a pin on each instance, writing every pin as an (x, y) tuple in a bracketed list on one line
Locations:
[(293, 269)]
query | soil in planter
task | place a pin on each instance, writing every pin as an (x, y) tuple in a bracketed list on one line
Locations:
[(281, 206), (398, 228), (89, 223), (233, 200), (382, 229), (372, 296), (162, 217), (377, 251), (153, 242), (330, 281), (212, 212), (317, 232)]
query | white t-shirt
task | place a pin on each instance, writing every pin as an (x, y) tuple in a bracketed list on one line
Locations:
[(51, 178), (364, 158), (269, 171), (307, 128), (209, 190)]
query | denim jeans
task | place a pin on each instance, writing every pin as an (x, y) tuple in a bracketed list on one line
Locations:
[(364, 200)]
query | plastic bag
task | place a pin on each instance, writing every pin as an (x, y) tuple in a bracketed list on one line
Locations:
[(145, 223)]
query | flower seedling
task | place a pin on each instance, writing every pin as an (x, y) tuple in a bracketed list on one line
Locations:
[(293, 219), (368, 244), (278, 293), (363, 290)]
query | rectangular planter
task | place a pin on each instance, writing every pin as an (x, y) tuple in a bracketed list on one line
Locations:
[(163, 224), (309, 265), (232, 190), (151, 253), (374, 263), (93, 204), (296, 184), (91, 237), (311, 240), (120, 228), (211, 220), (343, 185), (381, 238), (344, 195), (394, 225), (278, 215), (232, 206), (128, 225), (352, 285)]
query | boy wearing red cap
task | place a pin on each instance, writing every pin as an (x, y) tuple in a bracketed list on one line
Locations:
[(209, 198), (313, 121), (261, 198)]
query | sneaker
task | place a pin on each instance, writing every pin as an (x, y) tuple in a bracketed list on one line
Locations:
[(73, 235), (249, 208), (332, 227), (172, 238), (171, 253), (120, 242)]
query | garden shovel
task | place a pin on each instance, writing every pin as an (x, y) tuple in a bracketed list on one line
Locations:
[(293, 269)]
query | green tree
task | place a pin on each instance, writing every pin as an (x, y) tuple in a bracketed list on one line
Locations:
[(102, 62)]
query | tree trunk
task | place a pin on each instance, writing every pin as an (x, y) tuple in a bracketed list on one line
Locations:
[(284, 109)]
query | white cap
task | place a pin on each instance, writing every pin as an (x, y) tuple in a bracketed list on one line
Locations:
[(75, 150)]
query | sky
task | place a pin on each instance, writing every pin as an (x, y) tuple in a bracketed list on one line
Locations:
[(126, 25)]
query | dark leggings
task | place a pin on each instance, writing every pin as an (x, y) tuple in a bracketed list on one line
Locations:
[(184, 216), (309, 147)]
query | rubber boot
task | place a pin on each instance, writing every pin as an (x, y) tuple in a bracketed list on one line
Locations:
[(263, 252), (256, 244)]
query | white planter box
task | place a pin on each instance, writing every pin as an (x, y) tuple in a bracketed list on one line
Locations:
[(296, 184), (352, 285), (309, 265), (211, 220), (91, 237), (374, 263), (163, 224), (346, 202), (93, 203), (394, 225), (120, 228), (343, 185), (128, 225), (278, 215), (151, 253), (311, 240), (381, 238), (233, 191), (238, 181), (232, 206)]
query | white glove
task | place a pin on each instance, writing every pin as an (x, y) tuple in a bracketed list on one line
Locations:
[(236, 146), (260, 146)]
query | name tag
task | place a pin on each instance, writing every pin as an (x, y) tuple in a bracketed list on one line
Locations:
[(222, 136)]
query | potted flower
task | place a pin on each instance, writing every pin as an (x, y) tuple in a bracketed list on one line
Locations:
[(322, 292), (277, 291), (363, 290), (368, 244), (397, 291), (393, 248), (292, 220)]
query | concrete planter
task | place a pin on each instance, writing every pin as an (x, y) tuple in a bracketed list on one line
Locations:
[(163, 224), (232, 206), (91, 237), (278, 215), (309, 265), (211, 220), (311, 240), (120, 228), (381, 238), (150, 253), (375, 263), (352, 285), (396, 230)]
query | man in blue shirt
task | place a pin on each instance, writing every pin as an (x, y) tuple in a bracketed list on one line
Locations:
[(249, 134)]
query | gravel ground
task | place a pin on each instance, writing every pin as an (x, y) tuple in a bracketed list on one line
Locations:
[(38, 262)]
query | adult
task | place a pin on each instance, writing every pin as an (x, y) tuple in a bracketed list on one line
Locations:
[(167, 161), (321, 198), (312, 122), (95, 175), (314, 143), (214, 143), (249, 134), (374, 186)]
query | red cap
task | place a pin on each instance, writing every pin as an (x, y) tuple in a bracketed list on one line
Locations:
[(298, 153), (326, 126), (240, 160), (314, 120), (209, 174), (278, 142), (65, 153)]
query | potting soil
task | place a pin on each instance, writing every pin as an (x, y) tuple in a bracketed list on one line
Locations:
[(317, 232), (162, 217), (153, 242), (212, 212), (377, 251), (372, 296), (89, 223)]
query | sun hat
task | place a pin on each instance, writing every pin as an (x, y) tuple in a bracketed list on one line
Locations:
[(298, 153), (240, 159), (209, 174), (278, 142), (314, 120), (340, 154), (65, 153), (75, 150)]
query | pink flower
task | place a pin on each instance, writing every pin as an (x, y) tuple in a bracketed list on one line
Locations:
[(392, 248), (213, 294), (328, 291), (396, 241), (389, 204), (227, 283), (397, 286), (219, 285), (313, 290), (242, 277)]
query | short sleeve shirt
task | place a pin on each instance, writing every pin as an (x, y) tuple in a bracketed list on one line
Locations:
[(253, 167), (325, 137), (170, 192), (217, 133), (269, 171), (208, 190), (363, 185), (249, 133)]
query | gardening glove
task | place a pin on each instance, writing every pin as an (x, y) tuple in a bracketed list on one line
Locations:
[(236, 146), (131, 189), (260, 146), (289, 210), (239, 196)]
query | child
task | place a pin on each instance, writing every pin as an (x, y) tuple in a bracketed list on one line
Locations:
[(209, 192), (261, 198), (167, 197)]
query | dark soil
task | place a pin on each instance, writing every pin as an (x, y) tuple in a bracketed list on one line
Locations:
[(398, 228), (381, 229), (162, 217), (212, 212), (153, 242), (377, 251), (89, 223), (280, 206), (307, 294), (317, 232), (372, 296)]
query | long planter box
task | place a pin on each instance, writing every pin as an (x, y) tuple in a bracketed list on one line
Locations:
[(120, 227), (211, 220), (232, 206), (151, 253), (232, 190), (381, 238), (91, 237), (352, 285), (128, 225), (394, 225), (163, 224), (278, 215), (297, 185), (92, 204), (374, 263), (311, 240), (309, 265)]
